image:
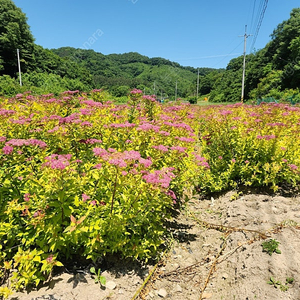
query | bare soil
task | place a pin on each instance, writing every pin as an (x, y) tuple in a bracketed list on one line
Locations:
[(216, 254)]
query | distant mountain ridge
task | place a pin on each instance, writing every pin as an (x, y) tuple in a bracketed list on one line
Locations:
[(118, 71)]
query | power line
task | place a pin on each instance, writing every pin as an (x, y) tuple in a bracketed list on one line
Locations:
[(252, 18), (227, 55), (259, 11), (265, 5)]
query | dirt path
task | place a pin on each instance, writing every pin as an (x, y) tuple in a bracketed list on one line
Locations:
[(217, 254)]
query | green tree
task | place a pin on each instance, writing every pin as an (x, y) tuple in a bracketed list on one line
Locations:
[(269, 86), (14, 34), (285, 50)]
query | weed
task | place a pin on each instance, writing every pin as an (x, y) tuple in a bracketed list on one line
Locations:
[(289, 280), (98, 277), (235, 196), (278, 284), (271, 246), (274, 282)]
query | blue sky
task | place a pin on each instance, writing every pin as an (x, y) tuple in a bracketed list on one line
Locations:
[(197, 33)]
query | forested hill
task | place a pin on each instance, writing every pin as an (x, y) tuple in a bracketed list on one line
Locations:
[(271, 72), (120, 72)]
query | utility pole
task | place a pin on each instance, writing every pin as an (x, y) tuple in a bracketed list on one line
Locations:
[(176, 91), (198, 84), (244, 63), (19, 66)]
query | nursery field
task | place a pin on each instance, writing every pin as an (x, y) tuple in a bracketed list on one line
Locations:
[(83, 178)]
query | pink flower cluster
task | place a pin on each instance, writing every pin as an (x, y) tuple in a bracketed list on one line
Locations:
[(148, 126), (201, 161), (165, 118), (70, 92), (47, 95), (86, 111), (54, 129), (86, 123), (100, 152), (27, 197), (147, 162), (293, 167), (178, 148), (179, 125), (52, 100), (85, 197), (172, 195), (160, 178), (165, 133), (73, 118), (92, 103), (136, 92), (7, 150), (173, 108), (90, 141), (225, 112), (161, 148), (120, 159), (6, 112), (149, 98), (253, 114), (266, 137), (23, 142), (22, 120), (58, 162)]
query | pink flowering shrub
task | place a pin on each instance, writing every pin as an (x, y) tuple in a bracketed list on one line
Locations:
[(81, 176), (87, 177), (242, 151)]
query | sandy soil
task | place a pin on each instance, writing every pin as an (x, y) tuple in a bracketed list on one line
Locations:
[(216, 254)]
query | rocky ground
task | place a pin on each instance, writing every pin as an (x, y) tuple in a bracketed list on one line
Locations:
[(216, 253)]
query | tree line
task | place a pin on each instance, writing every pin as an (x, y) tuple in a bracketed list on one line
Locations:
[(273, 71)]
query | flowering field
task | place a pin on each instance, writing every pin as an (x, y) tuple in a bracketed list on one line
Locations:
[(82, 176)]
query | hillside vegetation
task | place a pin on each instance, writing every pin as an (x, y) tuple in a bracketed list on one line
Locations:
[(273, 71), (121, 72)]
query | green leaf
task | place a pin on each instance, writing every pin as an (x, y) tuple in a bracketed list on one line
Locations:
[(59, 264), (272, 280), (284, 288), (37, 258), (103, 280)]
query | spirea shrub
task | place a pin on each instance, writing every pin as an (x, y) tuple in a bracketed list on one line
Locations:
[(84, 177), (250, 145)]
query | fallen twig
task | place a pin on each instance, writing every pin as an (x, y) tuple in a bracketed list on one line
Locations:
[(145, 282), (180, 271), (211, 270), (227, 229)]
